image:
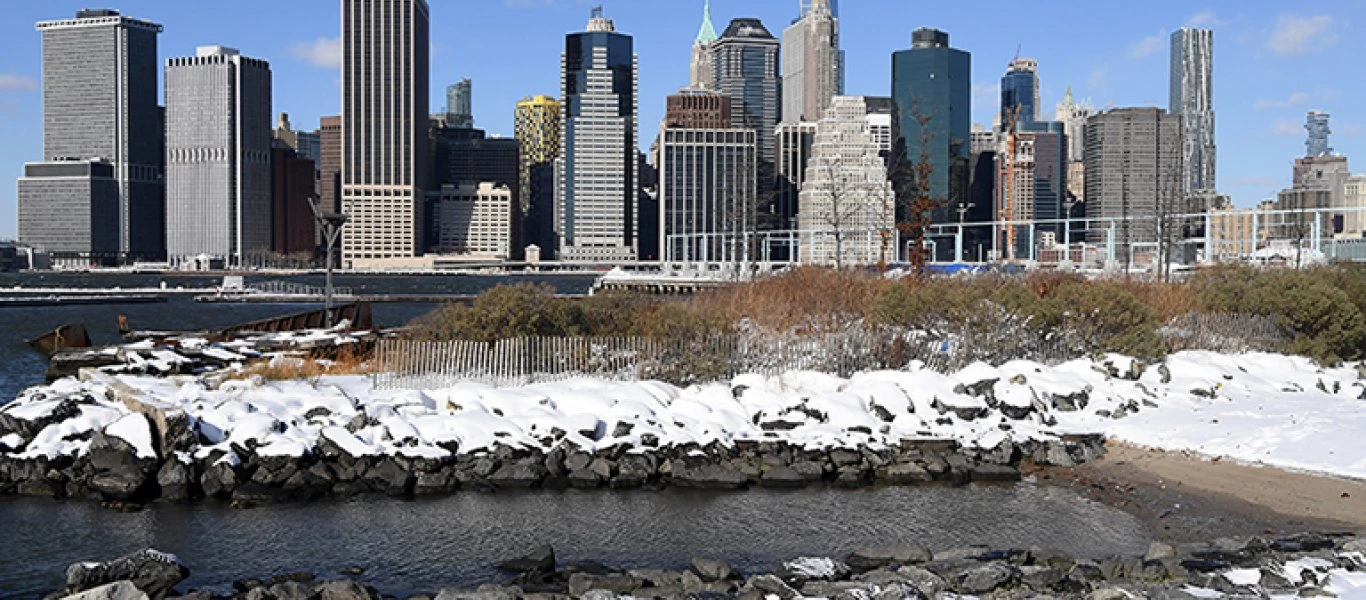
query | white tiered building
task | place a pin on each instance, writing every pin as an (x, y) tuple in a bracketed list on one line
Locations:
[(846, 209)]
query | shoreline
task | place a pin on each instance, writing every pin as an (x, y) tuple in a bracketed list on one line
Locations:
[(1181, 497)]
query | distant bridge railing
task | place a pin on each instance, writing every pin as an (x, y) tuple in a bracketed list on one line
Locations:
[(290, 288)]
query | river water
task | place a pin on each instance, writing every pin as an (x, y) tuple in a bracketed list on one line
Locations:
[(419, 546)]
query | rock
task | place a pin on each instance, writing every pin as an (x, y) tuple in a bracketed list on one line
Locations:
[(658, 578), (523, 474), (986, 578), (484, 592), (851, 477), (801, 570), (713, 477), (120, 590), (174, 480), (782, 476), (219, 479), (711, 570), (1305, 542), (1041, 579), (904, 474), (811, 471), (770, 584), (540, 560), (634, 470), (928, 583), (1159, 551), (155, 573), (1355, 545), (345, 590), (290, 590), (390, 478), (875, 558), (119, 473), (834, 589), (1110, 594), (580, 583), (1070, 402)]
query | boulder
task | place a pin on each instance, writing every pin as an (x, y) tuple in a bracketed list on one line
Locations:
[(120, 590), (801, 570), (345, 590), (875, 558), (540, 560), (904, 474), (174, 479), (119, 472), (928, 583), (390, 478), (810, 471), (290, 590), (990, 472), (152, 572), (771, 585), (219, 479), (634, 470), (581, 583), (782, 476), (484, 592), (986, 578), (711, 570), (523, 474), (714, 477)]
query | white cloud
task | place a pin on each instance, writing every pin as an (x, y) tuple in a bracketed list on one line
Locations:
[(1147, 46), (1298, 35), (1294, 100), (13, 82), (1202, 19), (1286, 128), (324, 52)]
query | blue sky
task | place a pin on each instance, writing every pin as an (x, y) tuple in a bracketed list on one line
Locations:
[(1274, 60)]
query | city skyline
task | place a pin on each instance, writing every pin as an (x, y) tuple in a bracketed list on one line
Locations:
[(1270, 66)]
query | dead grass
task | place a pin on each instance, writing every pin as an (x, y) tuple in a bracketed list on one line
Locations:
[(286, 368), (798, 298)]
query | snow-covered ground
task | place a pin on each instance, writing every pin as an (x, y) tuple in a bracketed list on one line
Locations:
[(1255, 408)]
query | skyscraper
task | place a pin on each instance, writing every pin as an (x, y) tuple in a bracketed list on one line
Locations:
[(1316, 143), (100, 101), (597, 202), (700, 69), (1133, 173), (460, 104), (848, 210), (1020, 91), (1073, 117), (745, 67), (537, 129), (697, 109), (1192, 98), (812, 69), (385, 49), (794, 151), (218, 141), (934, 81), (329, 163), (707, 188)]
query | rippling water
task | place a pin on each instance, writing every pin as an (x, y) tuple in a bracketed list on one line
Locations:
[(419, 546)]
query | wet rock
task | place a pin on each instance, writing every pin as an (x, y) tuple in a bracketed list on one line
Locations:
[(389, 478), (708, 477), (809, 470), (927, 582), (798, 571), (540, 560), (290, 590), (119, 473), (904, 474), (483, 592), (581, 583), (152, 572), (345, 590), (634, 470), (1159, 551), (524, 474), (711, 570), (771, 584), (1041, 578), (219, 479), (986, 578), (874, 558), (174, 479), (782, 476), (990, 472)]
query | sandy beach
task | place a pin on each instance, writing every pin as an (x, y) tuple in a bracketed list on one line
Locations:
[(1182, 497)]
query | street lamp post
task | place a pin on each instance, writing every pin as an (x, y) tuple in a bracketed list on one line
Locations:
[(331, 224), (963, 208)]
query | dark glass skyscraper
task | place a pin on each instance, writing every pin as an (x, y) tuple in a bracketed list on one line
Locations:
[(745, 66), (933, 81), (1020, 90)]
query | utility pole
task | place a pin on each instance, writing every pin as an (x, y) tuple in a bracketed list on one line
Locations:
[(331, 225)]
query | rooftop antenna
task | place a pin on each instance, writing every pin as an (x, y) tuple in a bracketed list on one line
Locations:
[(597, 12)]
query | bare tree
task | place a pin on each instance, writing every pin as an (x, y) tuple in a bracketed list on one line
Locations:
[(846, 198)]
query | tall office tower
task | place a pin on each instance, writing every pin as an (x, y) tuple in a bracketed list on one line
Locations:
[(460, 104), (467, 157), (218, 140), (1192, 98), (811, 63), (1133, 172), (385, 65), (537, 129), (597, 196), (1037, 187), (708, 191), (1073, 117), (1316, 143), (697, 109), (1020, 91), (794, 152), (848, 208), (329, 163), (933, 81), (745, 67), (292, 183), (70, 208), (100, 102), (700, 69)]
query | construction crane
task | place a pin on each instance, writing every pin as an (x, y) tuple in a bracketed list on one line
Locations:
[(1006, 208)]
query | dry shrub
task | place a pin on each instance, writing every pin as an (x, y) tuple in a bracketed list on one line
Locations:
[(800, 297), (286, 368)]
